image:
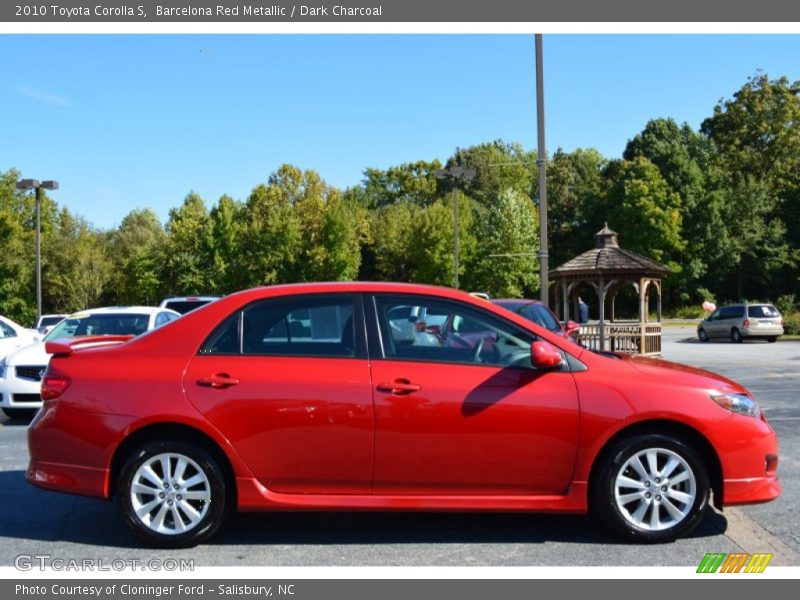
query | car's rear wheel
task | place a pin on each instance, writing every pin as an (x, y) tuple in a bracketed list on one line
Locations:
[(736, 337), (772, 339), (20, 413), (172, 493), (651, 488), (702, 335)]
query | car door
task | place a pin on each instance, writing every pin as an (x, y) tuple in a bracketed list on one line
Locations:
[(459, 410), (712, 323), (287, 381)]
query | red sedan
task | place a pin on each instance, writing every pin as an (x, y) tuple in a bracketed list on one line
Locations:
[(329, 396)]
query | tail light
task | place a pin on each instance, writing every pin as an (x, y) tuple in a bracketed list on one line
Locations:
[(746, 323), (53, 386)]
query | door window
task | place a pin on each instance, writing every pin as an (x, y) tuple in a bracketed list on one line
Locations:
[(419, 328), (298, 326)]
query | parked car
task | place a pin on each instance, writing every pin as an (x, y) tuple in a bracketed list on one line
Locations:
[(22, 371), (14, 336), (299, 397), (539, 313), (185, 304), (742, 321), (46, 322)]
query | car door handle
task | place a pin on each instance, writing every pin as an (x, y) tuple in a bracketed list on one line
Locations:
[(218, 381), (399, 387)]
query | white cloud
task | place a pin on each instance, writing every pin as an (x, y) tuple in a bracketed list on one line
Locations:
[(43, 96)]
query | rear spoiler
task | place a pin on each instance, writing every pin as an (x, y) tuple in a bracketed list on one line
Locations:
[(66, 347)]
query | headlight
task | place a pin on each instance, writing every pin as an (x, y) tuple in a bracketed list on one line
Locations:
[(738, 403)]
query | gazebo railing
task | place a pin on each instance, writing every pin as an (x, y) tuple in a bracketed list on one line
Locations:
[(627, 338)]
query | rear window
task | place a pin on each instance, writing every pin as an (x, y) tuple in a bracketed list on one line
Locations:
[(185, 306), (539, 314), (762, 311), (48, 321)]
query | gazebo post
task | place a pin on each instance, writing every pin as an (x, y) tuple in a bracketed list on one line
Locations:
[(658, 308), (643, 284), (564, 301), (601, 296)]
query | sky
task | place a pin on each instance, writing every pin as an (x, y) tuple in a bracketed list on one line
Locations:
[(135, 121)]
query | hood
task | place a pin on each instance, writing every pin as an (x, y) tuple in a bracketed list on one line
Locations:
[(684, 374), (30, 355)]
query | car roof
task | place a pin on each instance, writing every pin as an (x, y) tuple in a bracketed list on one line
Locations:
[(514, 301), (189, 299)]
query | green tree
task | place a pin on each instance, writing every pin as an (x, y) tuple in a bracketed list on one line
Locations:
[(138, 248), (188, 261), (505, 265), (410, 182)]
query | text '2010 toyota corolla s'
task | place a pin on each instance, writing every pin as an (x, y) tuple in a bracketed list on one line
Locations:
[(379, 396)]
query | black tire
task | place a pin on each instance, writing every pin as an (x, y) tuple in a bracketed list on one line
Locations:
[(213, 512), (736, 337), (772, 339), (603, 493), (23, 414), (702, 335)]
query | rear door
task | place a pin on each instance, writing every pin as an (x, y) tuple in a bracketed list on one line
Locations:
[(287, 381)]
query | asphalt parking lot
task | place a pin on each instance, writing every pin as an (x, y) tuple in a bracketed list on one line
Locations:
[(35, 522)]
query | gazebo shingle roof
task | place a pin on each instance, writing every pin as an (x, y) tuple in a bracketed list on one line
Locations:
[(608, 257)]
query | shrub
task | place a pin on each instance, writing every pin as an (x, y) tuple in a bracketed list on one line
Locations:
[(791, 325), (786, 304)]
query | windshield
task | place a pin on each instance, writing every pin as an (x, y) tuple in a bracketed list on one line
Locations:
[(99, 324)]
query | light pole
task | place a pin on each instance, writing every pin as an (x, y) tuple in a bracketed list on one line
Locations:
[(541, 160), (34, 184), (455, 173)]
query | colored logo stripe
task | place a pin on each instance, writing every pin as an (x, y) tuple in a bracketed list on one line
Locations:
[(734, 563)]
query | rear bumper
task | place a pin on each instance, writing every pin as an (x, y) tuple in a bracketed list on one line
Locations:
[(71, 479), (762, 331)]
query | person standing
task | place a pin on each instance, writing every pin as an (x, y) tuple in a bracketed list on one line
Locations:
[(583, 311)]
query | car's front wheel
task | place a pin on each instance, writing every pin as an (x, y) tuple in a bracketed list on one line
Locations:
[(172, 493), (651, 488), (701, 333)]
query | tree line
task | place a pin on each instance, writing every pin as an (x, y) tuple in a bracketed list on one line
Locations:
[(720, 206)]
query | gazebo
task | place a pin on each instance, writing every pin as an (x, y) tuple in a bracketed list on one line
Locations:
[(608, 268)]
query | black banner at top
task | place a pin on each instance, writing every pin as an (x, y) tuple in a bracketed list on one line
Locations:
[(392, 11)]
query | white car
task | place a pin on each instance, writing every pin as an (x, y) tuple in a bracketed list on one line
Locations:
[(185, 304), (21, 372), (46, 322), (13, 337)]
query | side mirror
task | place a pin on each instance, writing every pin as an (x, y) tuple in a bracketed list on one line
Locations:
[(571, 327), (545, 355)]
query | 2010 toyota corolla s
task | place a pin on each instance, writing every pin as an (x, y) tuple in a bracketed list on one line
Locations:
[(354, 396)]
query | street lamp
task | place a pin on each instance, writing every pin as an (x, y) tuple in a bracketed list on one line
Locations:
[(541, 161), (455, 173), (34, 184)]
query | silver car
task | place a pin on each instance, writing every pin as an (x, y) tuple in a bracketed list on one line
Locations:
[(740, 321)]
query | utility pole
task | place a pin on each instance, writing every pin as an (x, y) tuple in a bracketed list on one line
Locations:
[(541, 161)]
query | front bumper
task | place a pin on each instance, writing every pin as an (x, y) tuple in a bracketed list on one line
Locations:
[(748, 452), (19, 393)]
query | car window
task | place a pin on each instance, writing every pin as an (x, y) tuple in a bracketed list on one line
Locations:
[(163, 318), (715, 315), (6, 331), (762, 311), (185, 306), (48, 321), (732, 312), (540, 315), (301, 326), (100, 324), (467, 335)]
